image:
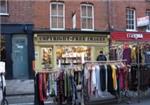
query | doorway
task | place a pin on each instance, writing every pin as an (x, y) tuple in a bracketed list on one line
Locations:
[(20, 57)]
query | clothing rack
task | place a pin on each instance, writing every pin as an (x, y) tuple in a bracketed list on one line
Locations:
[(118, 98), (60, 70), (36, 99)]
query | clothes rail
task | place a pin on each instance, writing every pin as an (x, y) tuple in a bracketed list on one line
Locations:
[(85, 97), (112, 61)]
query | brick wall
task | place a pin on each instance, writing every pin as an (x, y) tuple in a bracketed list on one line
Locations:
[(118, 12), (41, 17), (38, 12), (18, 12)]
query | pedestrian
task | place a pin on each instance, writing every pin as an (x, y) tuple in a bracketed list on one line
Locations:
[(101, 57)]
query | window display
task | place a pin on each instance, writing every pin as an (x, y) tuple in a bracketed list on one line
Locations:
[(67, 55), (46, 57)]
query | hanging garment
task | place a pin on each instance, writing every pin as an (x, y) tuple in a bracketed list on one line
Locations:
[(114, 76), (119, 54), (42, 87), (93, 81), (147, 57), (103, 77), (113, 54), (110, 80), (60, 88), (133, 54), (106, 77), (127, 55), (98, 82)]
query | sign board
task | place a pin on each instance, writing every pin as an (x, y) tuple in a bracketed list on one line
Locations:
[(2, 67), (130, 36), (143, 21), (135, 35)]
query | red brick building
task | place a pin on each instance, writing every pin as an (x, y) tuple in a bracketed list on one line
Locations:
[(81, 27)]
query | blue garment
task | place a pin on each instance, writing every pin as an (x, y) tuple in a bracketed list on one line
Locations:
[(147, 57)]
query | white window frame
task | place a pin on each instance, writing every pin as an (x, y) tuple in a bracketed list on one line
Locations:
[(148, 27), (6, 8), (57, 3), (83, 29), (134, 19)]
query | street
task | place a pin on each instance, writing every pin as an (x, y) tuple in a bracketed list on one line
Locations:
[(29, 100)]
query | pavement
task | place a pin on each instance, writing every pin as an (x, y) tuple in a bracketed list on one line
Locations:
[(21, 92), (19, 87)]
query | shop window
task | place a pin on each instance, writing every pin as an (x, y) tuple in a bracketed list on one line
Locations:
[(3, 7), (130, 19), (57, 16), (46, 53), (87, 17), (76, 55), (2, 48), (148, 14)]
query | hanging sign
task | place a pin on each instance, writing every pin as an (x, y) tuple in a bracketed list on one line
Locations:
[(143, 21)]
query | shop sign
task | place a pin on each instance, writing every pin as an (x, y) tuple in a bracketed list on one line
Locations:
[(130, 36), (134, 35), (67, 38), (143, 21)]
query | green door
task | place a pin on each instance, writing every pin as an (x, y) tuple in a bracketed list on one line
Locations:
[(20, 57)]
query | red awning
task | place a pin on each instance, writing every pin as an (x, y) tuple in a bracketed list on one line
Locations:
[(130, 36)]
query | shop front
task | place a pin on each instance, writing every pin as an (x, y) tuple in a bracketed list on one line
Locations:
[(135, 48), (62, 49), (17, 50)]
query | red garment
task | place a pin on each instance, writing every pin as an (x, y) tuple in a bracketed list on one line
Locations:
[(42, 87)]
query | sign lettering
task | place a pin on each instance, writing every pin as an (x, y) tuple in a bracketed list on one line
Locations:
[(134, 35)]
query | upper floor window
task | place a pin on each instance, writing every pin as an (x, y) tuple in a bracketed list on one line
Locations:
[(3, 7), (130, 19), (87, 17), (148, 14), (57, 16)]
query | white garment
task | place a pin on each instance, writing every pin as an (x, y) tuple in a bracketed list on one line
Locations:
[(93, 79)]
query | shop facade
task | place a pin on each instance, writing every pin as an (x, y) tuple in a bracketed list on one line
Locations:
[(55, 49), (17, 50), (134, 47)]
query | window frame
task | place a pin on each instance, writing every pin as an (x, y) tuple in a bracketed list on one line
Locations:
[(57, 3), (134, 19), (148, 14), (87, 29), (6, 8)]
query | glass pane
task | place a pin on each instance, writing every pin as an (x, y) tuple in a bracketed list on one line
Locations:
[(84, 23), (54, 9), (60, 22), (46, 57), (89, 11), (60, 9), (3, 6), (54, 22), (83, 10), (90, 24)]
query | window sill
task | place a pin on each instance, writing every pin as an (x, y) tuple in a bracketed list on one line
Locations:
[(147, 30), (57, 29), (4, 14), (131, 30), (87, 29)]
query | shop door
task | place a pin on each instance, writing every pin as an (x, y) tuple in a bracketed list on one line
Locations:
[(19, 57)]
